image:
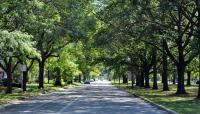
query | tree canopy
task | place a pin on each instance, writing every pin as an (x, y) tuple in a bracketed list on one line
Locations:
[(86, 38)]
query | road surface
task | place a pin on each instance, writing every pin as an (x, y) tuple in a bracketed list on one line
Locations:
[(96, 98)]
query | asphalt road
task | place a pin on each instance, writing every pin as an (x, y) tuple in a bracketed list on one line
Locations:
[(96, 98)]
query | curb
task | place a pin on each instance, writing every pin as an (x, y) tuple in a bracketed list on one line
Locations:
[(155, 104), (151, 102)]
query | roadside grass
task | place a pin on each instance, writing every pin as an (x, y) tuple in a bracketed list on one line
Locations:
[(32, 90), (183, 104)]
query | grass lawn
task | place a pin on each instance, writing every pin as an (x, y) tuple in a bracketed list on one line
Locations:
[(184, 104), (32, 90)]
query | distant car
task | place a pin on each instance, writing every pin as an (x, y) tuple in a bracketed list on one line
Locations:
[(87, 82), (91, 80)]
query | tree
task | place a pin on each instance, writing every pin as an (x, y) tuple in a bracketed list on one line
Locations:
[(197, 40), (175, 29), (14, 45), (66, 64), (172, 22), (182, 35)]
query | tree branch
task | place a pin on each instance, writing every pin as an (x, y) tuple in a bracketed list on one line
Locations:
[(15, 66)]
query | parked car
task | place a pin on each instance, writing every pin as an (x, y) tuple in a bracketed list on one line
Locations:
[(91, 80), (87, 82)]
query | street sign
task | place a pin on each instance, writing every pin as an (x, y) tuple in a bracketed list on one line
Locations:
[(23, 67)]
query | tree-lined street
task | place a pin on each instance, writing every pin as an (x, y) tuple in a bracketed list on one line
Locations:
[(97, 98), (150, 48)]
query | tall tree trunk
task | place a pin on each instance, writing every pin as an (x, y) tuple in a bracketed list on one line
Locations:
[(181, 86), (155, 85), (84, 77), (9, 79), (132, 79), (146, 75), (24, 81), (124, 79), (79, 78), (147, 85), (189, 77), (142, 78), (41, 74), (165, 71), (137, 80), (181, 57), (180, 67), (58, 78)]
